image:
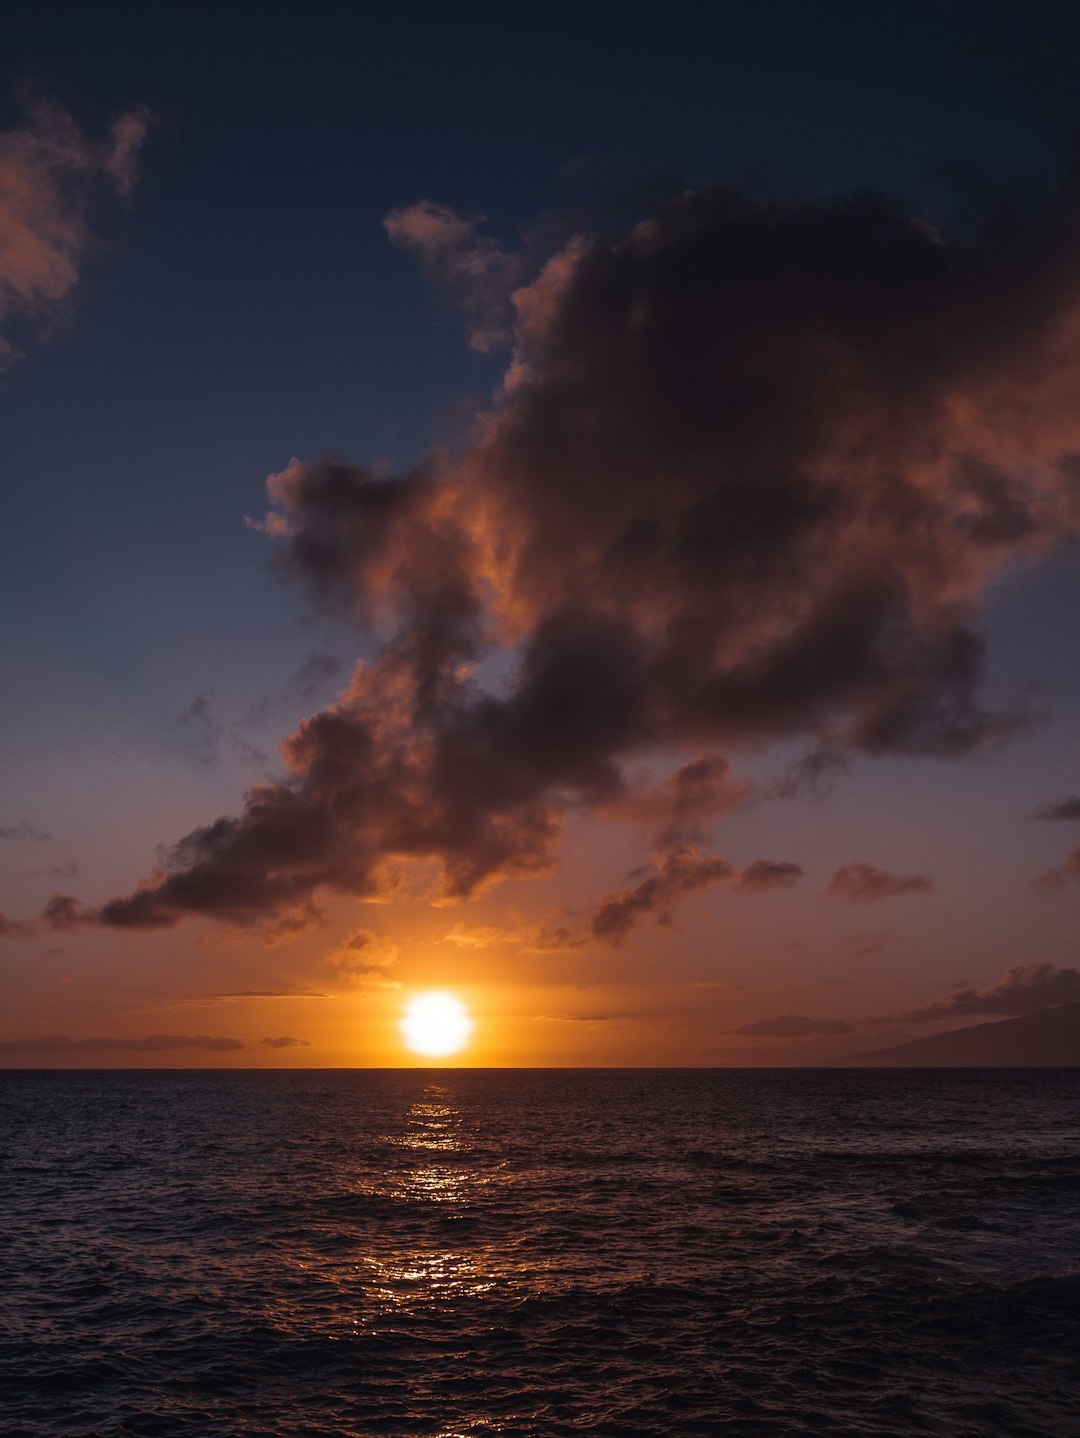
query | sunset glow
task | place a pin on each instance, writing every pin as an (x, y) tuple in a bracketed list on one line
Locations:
[(540, 784), (436, 1025)]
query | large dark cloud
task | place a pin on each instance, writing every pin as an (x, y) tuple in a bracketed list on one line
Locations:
[(750, 471), (1023, 989)]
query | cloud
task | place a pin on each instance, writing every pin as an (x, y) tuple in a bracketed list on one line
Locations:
[(813, 776), (679, 871), (285, 1042), (202, 739), (266, 994), (70, 870), (17, 928), (364, 958), (23, 831), (49, 172), (682, 807), (317, 671), (863, 883), (1067, 809), (750, 472), (864, 945), (792, 1026), (1054, 879), (65, 912), (764, 874), (581, 1018), (482, 936), (1023, 989), (473, 270), (152, 1044)]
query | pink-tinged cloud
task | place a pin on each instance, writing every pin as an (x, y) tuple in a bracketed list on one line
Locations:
[(49, 171), (473, 270), (863, 883), (755, 468), (1024, 989)]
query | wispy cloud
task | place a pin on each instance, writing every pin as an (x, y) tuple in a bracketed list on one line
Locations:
[(473, 270), (23, 831), (863, 883), (203, 739), (792, 1026), (152, 1044), (70, 870), (1054, 879), (1066, 809), (263, 994)]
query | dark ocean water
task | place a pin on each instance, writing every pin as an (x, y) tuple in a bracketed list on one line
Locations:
[(457, 1253)]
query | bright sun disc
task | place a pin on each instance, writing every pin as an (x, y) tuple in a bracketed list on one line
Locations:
[(435, 1025)]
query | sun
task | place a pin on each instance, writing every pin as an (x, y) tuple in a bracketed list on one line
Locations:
[(436, 1024)]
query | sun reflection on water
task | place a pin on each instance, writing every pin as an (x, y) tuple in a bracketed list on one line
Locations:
[(427, 1272)]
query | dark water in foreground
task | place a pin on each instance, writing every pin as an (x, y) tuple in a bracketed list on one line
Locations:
[(540, 1253)]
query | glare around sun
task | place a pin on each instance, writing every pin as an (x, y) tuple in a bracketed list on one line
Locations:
[(436, 1025)]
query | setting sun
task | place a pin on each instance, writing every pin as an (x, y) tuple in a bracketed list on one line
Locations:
[(436, 1024)]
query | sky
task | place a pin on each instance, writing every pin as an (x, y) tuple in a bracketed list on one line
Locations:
[(574, 507)]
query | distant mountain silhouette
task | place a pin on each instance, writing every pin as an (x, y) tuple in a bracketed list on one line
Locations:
[(1047, 1039)]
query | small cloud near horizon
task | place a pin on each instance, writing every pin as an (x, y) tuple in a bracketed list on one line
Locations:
[(1023, 989), (792, 1026)]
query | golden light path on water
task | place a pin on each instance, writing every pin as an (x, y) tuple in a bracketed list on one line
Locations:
[(405, 1272), (425, 1273)]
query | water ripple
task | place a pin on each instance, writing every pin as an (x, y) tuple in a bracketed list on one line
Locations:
[(467, 1253)]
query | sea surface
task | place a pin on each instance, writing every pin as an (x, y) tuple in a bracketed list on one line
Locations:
[(320, 1254)]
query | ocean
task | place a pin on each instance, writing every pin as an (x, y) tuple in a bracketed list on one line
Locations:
[(542, 1252)]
